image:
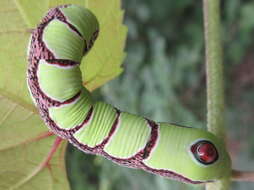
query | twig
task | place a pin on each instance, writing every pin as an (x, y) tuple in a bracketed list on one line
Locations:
[(214, 68), (214, 73), (242, 176)]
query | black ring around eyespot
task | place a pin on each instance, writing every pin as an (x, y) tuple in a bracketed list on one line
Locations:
[(195, 147)]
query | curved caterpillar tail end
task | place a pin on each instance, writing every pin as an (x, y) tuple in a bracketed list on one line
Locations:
[(54, 80)]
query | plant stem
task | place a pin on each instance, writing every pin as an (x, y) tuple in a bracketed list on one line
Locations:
[(214, 68), (214, 73), (242, 176)]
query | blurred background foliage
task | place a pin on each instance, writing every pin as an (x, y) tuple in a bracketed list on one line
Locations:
[(164, 79)]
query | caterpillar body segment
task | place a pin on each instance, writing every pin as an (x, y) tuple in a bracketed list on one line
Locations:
[(97, 130), (68, 79), (54, 80)]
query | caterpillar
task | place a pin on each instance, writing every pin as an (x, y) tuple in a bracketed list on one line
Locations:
[(55, 50)]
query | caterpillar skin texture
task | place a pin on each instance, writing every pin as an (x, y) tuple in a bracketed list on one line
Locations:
[(54, 79)]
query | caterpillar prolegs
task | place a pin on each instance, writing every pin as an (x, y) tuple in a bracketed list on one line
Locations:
[(54, 79)]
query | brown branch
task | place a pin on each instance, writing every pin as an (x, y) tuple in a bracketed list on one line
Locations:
[(242, 175)]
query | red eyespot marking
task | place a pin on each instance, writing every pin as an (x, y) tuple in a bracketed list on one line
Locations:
[(205, 152)]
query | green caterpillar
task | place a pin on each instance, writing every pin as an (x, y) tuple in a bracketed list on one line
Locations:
[(54, 79)]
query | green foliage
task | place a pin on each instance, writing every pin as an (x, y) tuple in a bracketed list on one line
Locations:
[(23, 151), (164, 79)]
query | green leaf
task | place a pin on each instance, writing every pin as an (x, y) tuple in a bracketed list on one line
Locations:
[(23, 149), (32, 11), (14, 37)]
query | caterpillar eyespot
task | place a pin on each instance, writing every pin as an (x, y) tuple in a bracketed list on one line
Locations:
[(54, 79), (205, 152)]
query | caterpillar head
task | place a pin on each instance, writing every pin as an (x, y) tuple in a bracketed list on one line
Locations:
[(206, 154), (190, 155)]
